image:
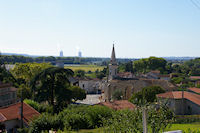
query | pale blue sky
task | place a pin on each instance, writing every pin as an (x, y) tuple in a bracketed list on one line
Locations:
[(140, 28)]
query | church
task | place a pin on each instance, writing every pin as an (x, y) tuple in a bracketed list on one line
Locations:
[(128, 85)]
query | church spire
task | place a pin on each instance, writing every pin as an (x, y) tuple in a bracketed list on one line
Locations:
[(113, 58)]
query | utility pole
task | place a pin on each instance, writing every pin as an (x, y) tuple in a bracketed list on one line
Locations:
[(21, 110), (144, 119)]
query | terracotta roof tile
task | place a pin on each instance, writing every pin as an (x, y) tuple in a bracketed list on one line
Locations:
[(195, 98), (197, 90), (13, 112), (194, 77), (118, 105)]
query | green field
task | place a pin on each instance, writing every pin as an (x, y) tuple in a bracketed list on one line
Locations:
[(86, 68), (183, 127)]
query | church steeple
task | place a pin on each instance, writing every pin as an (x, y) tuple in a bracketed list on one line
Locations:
[(113, 58), (113, 65)]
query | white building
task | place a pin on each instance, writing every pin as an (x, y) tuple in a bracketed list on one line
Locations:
[(90, 85)]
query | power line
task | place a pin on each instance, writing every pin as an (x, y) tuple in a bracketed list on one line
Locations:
[(195, 4)]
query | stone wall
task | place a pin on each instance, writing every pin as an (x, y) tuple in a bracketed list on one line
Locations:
[(130, 86)]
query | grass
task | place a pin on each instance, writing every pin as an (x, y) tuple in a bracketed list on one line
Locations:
[(86, 68), (183, 127)]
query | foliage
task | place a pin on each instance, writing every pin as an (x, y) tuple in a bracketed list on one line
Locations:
[(125, 121), (147, 64), (91, 116), (146, 95), (126, 67), (27, 71), (187, 119), (77, 93), (79, 73), (85, 68), (159, 117), (25, 91), (40, 107), (117, 95), (52, 85), (5, 76), (45, 122), (73, 118)]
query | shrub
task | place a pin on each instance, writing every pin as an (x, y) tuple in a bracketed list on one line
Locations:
[(125, 121), (46, 122), (42, 108), (87, 116)]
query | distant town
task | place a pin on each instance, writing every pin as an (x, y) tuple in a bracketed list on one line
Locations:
[(38, 93)]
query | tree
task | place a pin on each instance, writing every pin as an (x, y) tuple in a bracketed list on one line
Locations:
[(79, 73), (117, 95), (27, 71), (146, 95), (77, 93), (24, 73), (148, 64), (159, 117), (52, 85), (129, 67)]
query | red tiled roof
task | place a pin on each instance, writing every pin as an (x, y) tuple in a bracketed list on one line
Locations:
[(118, 105), (13, 112), (194, 77), (197, 90), (195, 98)]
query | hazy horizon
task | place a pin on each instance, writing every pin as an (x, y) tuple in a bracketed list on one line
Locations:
[(139, 28)]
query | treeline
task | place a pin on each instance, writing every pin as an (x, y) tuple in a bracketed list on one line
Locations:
[(187, 68), (12, 59)]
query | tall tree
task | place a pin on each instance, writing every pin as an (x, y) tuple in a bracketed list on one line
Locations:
[(52, 85)]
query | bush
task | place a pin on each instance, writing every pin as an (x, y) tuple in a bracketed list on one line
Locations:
[(87, 116), (76, 121), (46, 122), (42, 108), (187, 119), (124, 121)]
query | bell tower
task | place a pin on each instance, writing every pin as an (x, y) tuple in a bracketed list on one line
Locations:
[(113, 65)]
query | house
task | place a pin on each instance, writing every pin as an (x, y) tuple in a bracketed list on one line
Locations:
[(119, 105), (127, 75), (10, 116), (182, 102), (153, 74), (8, 94), (91, 86), (195, 90)]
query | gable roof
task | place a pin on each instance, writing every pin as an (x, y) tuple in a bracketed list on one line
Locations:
[(13, 112), (118, 105), (196, 90), (195, 98), (195, 77)]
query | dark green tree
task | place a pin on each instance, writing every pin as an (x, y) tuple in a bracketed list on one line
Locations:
[(52, 85), (77, 93), (79, 73)]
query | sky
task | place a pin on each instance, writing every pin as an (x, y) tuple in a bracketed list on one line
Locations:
[(139, 28)]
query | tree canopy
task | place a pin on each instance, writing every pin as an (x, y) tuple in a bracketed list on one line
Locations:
[(146, 95), (147, 64)]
